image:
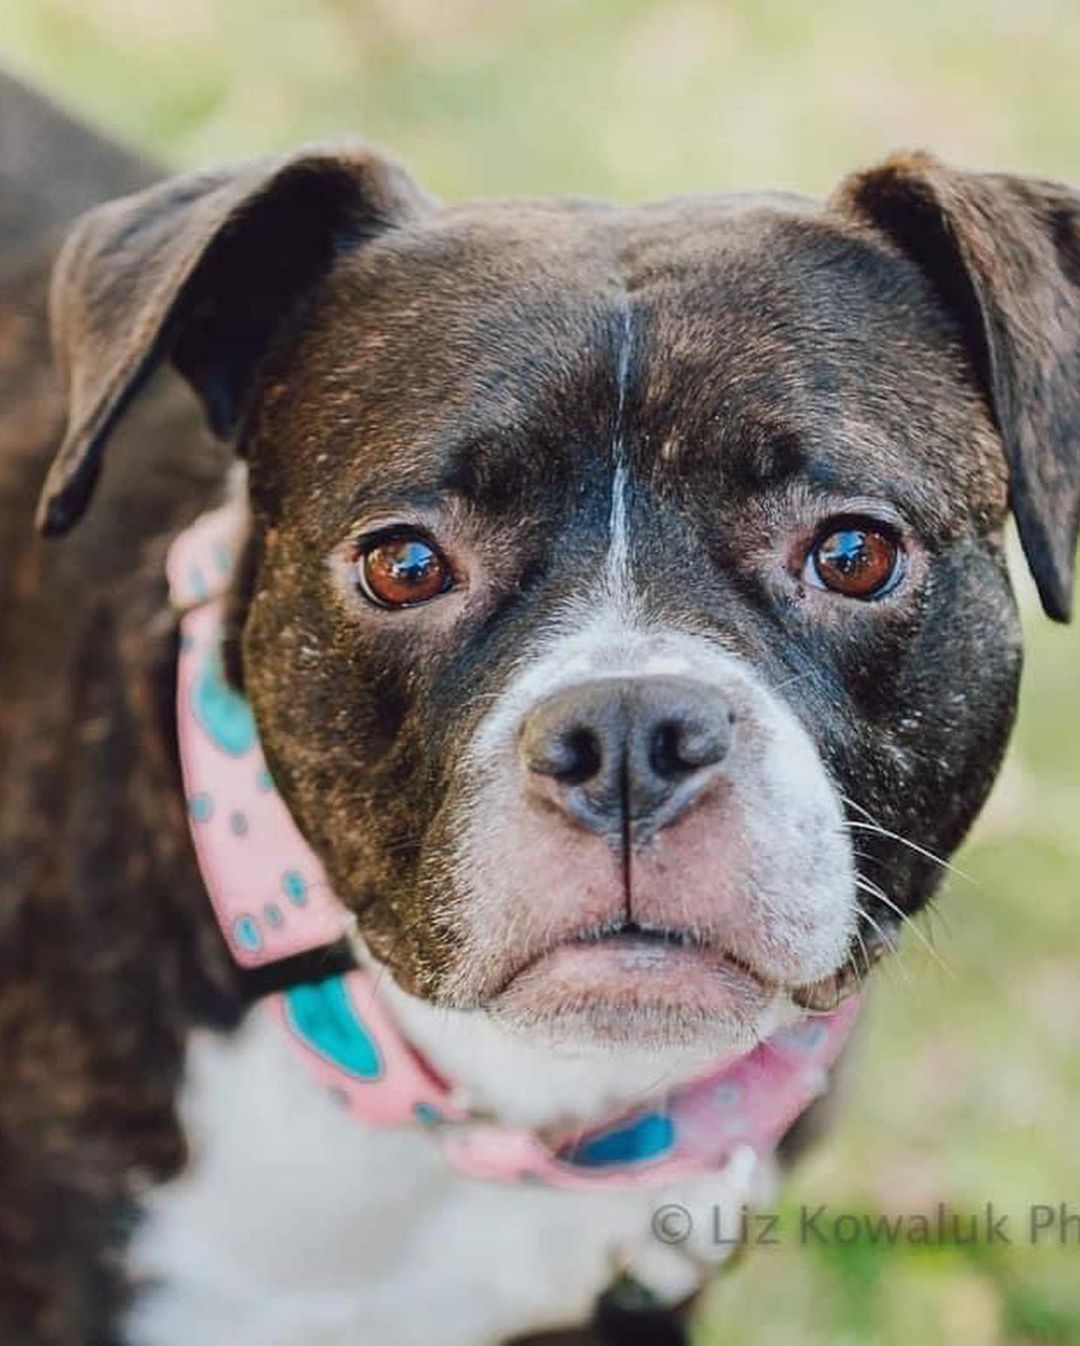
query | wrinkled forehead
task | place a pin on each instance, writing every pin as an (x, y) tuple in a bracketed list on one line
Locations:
[(505, 352)]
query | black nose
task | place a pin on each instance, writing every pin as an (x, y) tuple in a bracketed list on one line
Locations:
[(627, 753)]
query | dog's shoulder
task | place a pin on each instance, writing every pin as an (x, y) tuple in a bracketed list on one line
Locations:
[(108, 954), (95, 871)]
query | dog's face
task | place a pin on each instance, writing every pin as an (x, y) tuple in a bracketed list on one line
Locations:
[(543, 641), (626, 616)]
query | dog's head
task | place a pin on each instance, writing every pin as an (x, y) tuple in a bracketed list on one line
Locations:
[(626, 615)]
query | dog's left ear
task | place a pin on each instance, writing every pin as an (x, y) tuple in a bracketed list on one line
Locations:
[(204, 270), (1003, 254)]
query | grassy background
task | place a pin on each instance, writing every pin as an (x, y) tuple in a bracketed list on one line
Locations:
[(969, 1087)]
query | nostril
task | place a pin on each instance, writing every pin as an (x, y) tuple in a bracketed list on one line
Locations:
[(582, 756), (665, 756), (571, 757), (680, 746)]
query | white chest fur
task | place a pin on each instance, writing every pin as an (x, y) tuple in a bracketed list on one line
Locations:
[(296, 1225)]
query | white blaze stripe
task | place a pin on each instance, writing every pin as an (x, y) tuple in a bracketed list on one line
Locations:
[(618, 559)]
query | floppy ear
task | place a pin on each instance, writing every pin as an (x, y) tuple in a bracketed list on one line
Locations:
[(204, 270), (1004, 255)]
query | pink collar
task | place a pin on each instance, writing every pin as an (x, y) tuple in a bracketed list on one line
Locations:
[(272, 902)]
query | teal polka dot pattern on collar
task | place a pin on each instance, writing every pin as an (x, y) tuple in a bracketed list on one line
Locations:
[(246, 933), (222, 712), (324, 1018), (646, 1137), (294, 886), (201, 808)]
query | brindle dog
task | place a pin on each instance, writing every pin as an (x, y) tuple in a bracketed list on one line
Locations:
[(765, 442)]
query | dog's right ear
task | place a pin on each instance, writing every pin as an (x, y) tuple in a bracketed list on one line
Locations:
[(1003, 254), (203, 270)]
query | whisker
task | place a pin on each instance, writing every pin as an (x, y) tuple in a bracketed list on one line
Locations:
[(932, 911), (896, 952), (871, 825), (859, 976), (867, 887), (790, 682), (935, 913)]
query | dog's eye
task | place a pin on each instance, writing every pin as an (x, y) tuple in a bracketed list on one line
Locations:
[(856, 560), (401, 571)]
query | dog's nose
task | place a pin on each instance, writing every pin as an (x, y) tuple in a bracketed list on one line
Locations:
[(619, 753)]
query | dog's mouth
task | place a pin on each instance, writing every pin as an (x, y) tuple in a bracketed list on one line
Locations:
[(627, 932), (642, 946), (624, 980), (628, 981)]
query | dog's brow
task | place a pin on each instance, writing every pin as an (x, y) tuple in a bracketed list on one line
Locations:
[(408, 502), (757, 457), (498, 470), (851, 474), (772, 458)]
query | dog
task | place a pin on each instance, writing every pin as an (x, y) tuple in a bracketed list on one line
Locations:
[(618, 599)]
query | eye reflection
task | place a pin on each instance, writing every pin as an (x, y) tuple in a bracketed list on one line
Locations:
[(856, 561), (401, 571)]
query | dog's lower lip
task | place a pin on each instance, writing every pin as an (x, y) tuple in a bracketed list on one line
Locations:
[(631, 966), (629, 935)]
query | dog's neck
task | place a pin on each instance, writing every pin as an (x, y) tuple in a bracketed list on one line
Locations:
[(521, 1082)]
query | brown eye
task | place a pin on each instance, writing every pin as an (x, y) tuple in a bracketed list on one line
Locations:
[(856, 561), (401, 571)]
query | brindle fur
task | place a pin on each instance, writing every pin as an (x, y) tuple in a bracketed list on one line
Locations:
[(106, 952), (915, 338)]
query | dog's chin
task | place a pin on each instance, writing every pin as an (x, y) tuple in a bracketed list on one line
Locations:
[(637, 993)]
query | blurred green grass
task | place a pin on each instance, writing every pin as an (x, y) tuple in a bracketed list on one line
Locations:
[(968, 1089)]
